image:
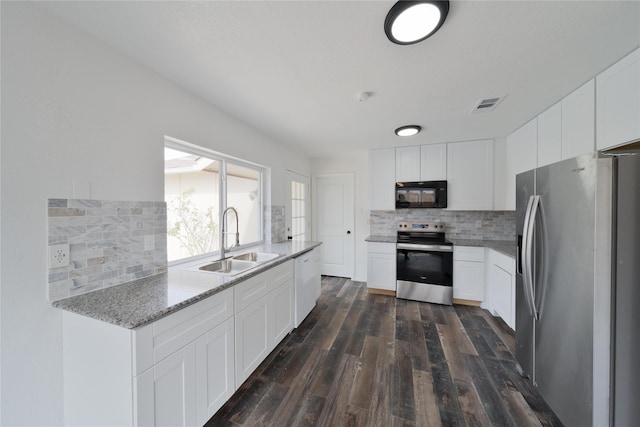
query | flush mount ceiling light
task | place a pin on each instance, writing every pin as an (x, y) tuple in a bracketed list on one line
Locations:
[(408, 130), (410, 22)]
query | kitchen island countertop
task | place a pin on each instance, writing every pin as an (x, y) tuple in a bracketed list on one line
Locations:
[(136, 303)]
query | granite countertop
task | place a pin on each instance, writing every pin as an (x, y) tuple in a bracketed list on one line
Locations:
[(134, 304), (382, 239), (505, 247)]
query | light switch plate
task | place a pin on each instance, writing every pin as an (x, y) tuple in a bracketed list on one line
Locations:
[(58, 256)]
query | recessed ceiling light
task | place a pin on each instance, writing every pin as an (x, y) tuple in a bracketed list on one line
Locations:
[(408, 130), (410, 22)]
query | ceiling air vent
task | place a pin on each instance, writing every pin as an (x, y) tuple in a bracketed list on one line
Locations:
[(488, 104)]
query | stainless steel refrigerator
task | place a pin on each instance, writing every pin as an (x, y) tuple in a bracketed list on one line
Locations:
[(577, 293)]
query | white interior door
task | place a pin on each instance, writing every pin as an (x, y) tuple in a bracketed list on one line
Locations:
[(297, 212), (334, 202)]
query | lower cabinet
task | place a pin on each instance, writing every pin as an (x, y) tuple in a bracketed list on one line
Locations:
[(252, 346), (262, 324), (166, 393), (468, 274), (215, 382), (381, 266), (502, 287), (189, 386), (180, 369)]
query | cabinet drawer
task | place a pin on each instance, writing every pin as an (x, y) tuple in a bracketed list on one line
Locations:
[(178, 329), (280, 274), (382, 248), (250, 291), (468, 253)]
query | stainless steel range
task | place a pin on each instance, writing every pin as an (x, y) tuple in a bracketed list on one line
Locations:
[(424, 263)]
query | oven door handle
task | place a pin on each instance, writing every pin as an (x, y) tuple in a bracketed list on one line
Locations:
[(424, 248)]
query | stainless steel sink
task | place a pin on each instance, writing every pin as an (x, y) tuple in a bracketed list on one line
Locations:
[(256, 256), (237, 264), (229, 267)]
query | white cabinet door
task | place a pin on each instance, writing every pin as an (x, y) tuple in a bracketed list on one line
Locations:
[(468, 273), (382, 179), (174, 389), (501, 293), (317, 284), (522, 155), (468, 280), (215, 364), (280, 311), (523, 144), (381, 266), (618, 102), (470, 175), (550, 136), (578, 121), (251, 338), (433, 162), (408, 164), (381, 272)]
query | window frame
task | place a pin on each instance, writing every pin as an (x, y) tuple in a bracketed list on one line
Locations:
[(223, 159)]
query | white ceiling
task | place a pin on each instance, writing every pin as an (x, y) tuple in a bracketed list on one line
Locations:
[(293, 69)]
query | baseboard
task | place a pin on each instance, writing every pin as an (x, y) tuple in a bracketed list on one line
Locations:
[(381, 292), (466, 302)]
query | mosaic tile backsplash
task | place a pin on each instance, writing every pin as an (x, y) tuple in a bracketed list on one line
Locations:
[(110, 243), (278, 229), (486, 225)]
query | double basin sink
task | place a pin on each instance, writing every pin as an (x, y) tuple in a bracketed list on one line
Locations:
[(238, 263)]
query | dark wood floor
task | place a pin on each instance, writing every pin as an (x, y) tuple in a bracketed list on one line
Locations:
[(371, 360)]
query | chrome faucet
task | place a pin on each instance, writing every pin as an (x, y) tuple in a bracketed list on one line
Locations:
[(223, 249)]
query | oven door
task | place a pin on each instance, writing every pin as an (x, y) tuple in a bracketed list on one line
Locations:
[(431, 264)]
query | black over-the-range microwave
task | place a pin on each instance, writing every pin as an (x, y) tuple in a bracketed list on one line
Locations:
[(420, 195)]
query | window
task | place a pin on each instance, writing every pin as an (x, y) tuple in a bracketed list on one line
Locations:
[(297, 216), (199, 185)]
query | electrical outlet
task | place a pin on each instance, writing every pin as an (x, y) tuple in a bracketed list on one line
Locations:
[(58, 256)]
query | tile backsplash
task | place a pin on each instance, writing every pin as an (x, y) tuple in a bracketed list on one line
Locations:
[(278, 229), (110, 243), (487, 225)]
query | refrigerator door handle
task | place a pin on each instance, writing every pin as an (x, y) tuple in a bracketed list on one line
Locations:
[(527, 273), (541, 275)]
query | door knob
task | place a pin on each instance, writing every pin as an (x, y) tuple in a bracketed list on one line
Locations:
[(348, 231)]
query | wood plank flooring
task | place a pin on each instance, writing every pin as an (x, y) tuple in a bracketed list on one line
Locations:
[(361, 359)]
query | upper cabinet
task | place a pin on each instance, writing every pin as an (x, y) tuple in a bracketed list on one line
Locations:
[(565, 130), (421, 163), (578, 121), (522, 146), (618, 102), (550, 135), (470, 175), (382, 179), (522, 154), (408, 164), (433, 162)]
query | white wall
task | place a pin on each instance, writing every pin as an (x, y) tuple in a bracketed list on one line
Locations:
[(73, 107), (356, 162)]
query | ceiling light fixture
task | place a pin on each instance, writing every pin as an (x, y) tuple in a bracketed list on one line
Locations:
[(408, 130), (410, 22)]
